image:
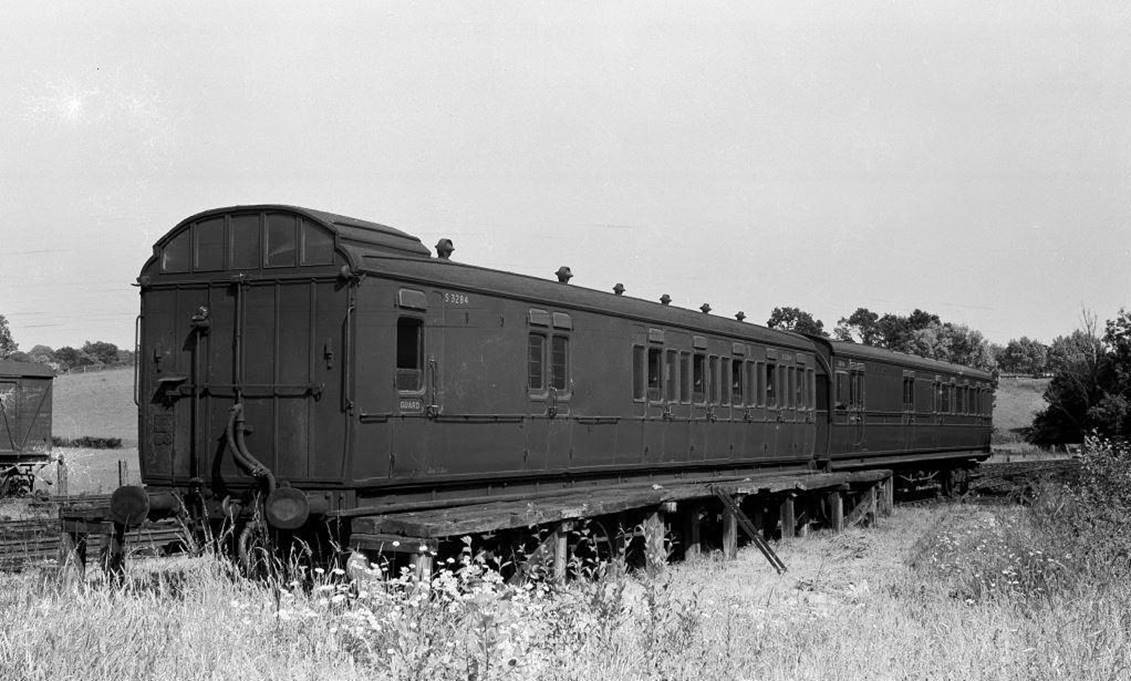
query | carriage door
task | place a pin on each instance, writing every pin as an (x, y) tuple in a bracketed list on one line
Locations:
[(856, 404)]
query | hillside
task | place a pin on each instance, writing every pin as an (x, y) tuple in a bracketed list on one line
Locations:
[(99, 404), (1016, 402)]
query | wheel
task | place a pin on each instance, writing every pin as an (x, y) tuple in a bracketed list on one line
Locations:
[(955, 482)]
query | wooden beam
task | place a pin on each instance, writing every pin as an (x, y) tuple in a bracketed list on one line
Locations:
[(887, 498), (836, 510), (692, 527), (730, 534), (788, 518), (865, 509), (655, 552), (561, 552), (422, 566)]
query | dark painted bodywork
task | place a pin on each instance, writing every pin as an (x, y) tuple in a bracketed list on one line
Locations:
[(311, 341)]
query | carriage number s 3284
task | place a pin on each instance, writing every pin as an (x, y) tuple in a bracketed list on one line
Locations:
[(456, 298)]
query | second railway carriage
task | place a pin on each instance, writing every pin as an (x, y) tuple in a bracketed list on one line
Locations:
[(331, 364), (922, 417)]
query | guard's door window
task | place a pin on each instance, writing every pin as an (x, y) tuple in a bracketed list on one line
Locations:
[(410, 353)]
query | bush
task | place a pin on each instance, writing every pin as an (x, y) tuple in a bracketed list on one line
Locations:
[(87, 442), (1075, 538)]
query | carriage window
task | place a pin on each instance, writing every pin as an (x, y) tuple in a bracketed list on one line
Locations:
[(317, 245), (535, 361), (637, 372), (841, 390), (699, 378), (798, 375), (811, 388), (684, 377), (410, 353), (178, 253), (724, 380), (280, 241), (559, 363), (210, 244), (771, 384), (655, 375), (245, 241), (671, 375), (760, 383), (908, 393), (751, 383), (856, 389), (736, 381), (713, 379)]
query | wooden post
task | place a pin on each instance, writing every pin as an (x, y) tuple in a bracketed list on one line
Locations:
[(836, 510), (788, 519), (61, 478), (72, 555), (730, 534), (887, 500), (561, 551), (872, 501), (423, 564), (655, 553), (691, 529)]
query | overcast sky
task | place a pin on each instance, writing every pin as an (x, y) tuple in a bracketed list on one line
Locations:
[(971, 159)]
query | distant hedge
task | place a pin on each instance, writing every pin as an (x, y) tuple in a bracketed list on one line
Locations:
[(87, 442)]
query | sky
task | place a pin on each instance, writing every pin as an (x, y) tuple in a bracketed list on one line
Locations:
[(971, 159)]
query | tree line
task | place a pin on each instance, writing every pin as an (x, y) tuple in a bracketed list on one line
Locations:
[(93, 354), (919, 333), (1089, 391)]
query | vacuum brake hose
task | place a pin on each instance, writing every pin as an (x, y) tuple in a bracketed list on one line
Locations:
[(236, 443)]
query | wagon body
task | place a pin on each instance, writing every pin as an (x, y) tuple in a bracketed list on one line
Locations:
[(25, 412)]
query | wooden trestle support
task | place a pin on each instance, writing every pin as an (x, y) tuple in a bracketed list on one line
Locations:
[(684, 516)]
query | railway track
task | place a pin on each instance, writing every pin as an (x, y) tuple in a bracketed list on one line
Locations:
[(35, 540)]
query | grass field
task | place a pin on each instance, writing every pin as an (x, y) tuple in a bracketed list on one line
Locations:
[(1017, 401), (921, 596), (98, 404)]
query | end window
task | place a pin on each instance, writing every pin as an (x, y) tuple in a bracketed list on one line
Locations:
[(281, 245)]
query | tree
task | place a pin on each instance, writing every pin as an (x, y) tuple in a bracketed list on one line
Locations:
[(797, 320), (101, 352), (1023, 356), (71, 358), (1090, 390), (42, 354), (7, 344), (858, 327)]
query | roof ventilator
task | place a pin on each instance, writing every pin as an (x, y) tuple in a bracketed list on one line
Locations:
[(444, 249), (564, 275)]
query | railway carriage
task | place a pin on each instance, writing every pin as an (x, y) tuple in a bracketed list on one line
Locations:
[(313, 365)]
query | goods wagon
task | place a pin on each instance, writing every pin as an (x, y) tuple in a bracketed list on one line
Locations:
[(25, 423)]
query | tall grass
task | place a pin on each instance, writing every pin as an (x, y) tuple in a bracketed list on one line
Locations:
[(949, 592)]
